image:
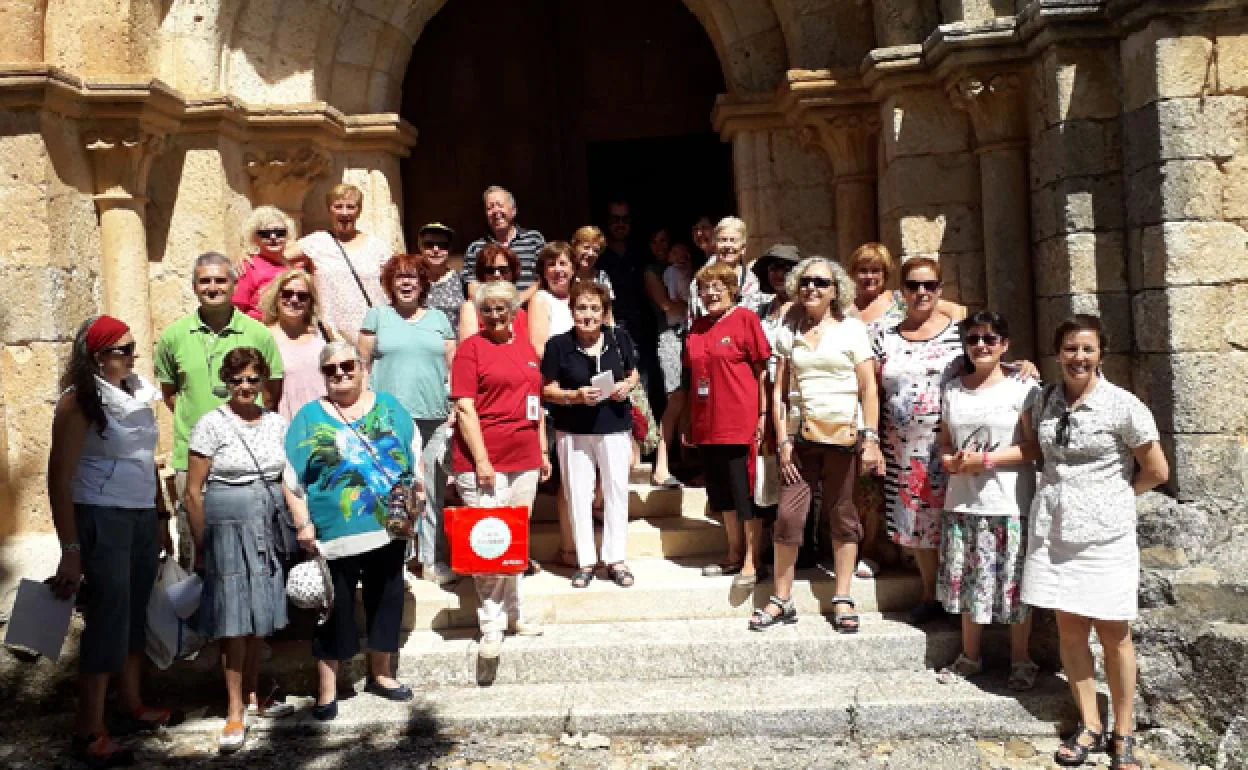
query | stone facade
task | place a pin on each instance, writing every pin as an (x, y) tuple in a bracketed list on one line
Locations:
[(1056, 155)]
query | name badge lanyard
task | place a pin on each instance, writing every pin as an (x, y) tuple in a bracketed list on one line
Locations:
[(218, 389), (532, 402)]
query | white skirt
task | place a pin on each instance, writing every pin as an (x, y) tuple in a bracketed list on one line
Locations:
[(1096, 580)]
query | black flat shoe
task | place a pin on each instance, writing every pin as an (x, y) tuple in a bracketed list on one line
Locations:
[(326, 712), (402, 693)]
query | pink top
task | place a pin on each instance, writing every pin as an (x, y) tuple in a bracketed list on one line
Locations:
[(302, 382), (260, 273)]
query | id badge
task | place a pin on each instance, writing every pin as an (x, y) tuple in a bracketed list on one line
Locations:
[(704, 388), (532, 408)]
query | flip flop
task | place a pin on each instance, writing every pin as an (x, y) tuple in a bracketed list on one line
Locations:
[(671, 482)]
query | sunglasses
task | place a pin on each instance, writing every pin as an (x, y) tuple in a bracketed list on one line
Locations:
[(300, 296), (617, 219), (497, 270), (818, 281), (120, 350), (251, 380), (275, 232), (440, 245), (930, 286), (1063, 430), (331, 369), (982, 339)]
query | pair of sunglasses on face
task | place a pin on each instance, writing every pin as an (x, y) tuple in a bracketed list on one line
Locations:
[(930, 286), (818, 281), (126, 350), (250, 380), (345, 367), (497, 269), (273, 232), (299, 296), (982, 339)]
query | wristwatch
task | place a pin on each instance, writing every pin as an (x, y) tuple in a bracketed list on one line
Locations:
[(869, 435)]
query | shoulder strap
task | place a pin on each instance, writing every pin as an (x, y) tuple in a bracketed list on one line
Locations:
[(242, 440), (367, 300), (368, 446), (320, 325)]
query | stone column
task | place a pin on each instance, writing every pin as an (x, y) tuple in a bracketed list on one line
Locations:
[(996, 108), (282, 178), (850, 140), (121, 157)]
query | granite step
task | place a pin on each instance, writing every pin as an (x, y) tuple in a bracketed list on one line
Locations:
[(643, 500), (664, 590), (649, 537), (846, 705)]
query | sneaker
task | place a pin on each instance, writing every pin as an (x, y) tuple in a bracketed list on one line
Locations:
[(491, 645), (270, 709), (233, 736), (439, 574), (525, 628)]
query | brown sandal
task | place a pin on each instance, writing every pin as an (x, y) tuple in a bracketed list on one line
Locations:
[(620, 575)]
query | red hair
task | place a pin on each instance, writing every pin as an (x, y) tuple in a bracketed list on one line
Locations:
[(405, 263)]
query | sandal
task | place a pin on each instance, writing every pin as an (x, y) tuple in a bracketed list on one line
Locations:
[(845, 622), (762, 620), (620, 575), (147, 719), (1073, 753), (720, 570), (99, 750), (1122, 752), (671, 482), (960, 669), (1022, 676), (582, 577), (233, 736), (867, 569)]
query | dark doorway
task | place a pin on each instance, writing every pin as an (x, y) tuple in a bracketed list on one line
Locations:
[(567, 103)]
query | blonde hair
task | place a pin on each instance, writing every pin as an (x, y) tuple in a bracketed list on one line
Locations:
[(872, 254), (266, 215), (722, 272), (268, 300), (588, 234), (343, 191), (735, 224)]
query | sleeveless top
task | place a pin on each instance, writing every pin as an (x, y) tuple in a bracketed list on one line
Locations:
[(118, 469), (303, 381), (560, 313)]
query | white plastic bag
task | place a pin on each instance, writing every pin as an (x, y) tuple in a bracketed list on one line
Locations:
[(168, 636), (766, 481)]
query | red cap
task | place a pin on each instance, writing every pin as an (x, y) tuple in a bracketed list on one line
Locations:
[(104, 331)]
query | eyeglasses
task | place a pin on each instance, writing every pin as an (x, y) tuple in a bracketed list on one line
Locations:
[(1063, 430), (818, 281), (713, 288), (619, 219), (497, 269), (930, 286), (251, 380), (332, 370), (298, 296), (125, 350), (982, 339), (273, 232), (440, 245)]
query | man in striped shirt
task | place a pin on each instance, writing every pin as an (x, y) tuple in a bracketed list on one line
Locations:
[(500, 214)]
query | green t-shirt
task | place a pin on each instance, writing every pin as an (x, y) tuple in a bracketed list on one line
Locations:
[(409, 359), (189, 355)]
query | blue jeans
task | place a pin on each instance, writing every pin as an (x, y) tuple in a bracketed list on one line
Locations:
[(435, 440), (119, 552)]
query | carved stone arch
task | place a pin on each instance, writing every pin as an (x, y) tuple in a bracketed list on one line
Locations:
[(826, 34), (280, 51)]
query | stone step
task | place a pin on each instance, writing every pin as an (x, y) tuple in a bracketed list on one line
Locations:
[(651, 537), (847, 705), (664, 590), (643, 500)]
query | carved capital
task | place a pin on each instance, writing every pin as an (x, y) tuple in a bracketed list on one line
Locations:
[(121, 157), (996, 105), (849, 138), (282, 178)]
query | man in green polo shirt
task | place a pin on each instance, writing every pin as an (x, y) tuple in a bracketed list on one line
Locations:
[(188, 358)]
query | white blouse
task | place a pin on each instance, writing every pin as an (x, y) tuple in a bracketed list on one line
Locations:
[(118, 468)]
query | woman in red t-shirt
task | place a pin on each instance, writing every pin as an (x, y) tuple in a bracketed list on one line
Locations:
[(724, 361), (499, 454), (495, 263)]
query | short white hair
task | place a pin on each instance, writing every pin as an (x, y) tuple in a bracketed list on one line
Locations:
[(495, 290), (266, 215), (735, 224), (511, 199), (209, 258)]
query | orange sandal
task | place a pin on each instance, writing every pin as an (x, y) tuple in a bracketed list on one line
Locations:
[(233, 736), (99, 750)]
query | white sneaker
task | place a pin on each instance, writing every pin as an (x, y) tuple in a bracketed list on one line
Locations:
[(525, 628), (272, 710), (232, 740), (439, 574), (491, 645)]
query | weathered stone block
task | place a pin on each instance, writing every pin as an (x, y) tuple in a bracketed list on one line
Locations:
[(1113, 308), (1194, 392), (1232, 48), (1080, 263), (1089, 203), (806, 208), (941, 229), (1180, 189), (1180, 253), (972, 285), (1235, 187), (1164, 60), (30, 374), (931, 180), (1213, 127), (27, 294), (1187, 318), (1076, 148), (1209, 465), (922, 122), (1083, 82)]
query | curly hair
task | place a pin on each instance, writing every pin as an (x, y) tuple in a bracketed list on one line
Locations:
[(722, 272), (239, 359), (549, 253), (405, 263), (845, 290), (581, 288)]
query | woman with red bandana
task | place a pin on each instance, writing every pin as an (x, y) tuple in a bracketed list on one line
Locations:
[(111, 521)]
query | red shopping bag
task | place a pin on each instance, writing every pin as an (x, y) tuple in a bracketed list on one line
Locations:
[(488, 541)]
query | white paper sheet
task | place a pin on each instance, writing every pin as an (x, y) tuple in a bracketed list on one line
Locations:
[(39, 621), (603, 382)]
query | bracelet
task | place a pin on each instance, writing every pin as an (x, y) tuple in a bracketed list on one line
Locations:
[(989, 464), (869, 435), (786, 442)]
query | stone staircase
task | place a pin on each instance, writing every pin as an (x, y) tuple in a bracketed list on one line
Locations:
[(672, 655)]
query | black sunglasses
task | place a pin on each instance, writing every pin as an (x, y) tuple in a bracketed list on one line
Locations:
[(986, 339), (120, 350), (443, 245), (250, 380), (497, 269), (302, 296), (274, 232), (818, 281), (1063, 430), (332, 369), (912, 285)]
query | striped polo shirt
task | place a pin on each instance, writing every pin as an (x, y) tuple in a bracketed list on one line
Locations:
[(527, 244)]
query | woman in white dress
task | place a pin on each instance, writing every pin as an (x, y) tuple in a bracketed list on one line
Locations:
[(549, 313), (1082, 558), (348, 262)]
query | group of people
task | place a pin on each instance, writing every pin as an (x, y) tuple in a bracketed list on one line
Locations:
[(332, 371)]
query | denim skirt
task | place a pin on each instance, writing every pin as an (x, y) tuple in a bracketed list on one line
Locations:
[(244, 583)]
